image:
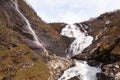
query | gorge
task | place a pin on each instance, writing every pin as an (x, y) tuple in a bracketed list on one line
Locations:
[(31, 49)]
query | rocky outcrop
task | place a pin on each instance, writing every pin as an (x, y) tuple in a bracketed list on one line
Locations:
[(106, 45), (19, 56), (57, 65), (47, 35)]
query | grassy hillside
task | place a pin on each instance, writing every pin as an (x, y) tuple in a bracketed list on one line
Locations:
[(17, 60)]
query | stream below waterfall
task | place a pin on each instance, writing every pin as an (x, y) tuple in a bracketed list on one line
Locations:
[(81, 70)]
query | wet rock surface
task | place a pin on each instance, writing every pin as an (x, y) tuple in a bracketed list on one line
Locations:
[(20, 56), (74, 78), (106, 45)]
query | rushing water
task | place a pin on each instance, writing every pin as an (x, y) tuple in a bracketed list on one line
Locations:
[(81, 70), (82, 40), (29, 28)]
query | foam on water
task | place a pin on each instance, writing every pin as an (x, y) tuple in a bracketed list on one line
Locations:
[(82, 70)]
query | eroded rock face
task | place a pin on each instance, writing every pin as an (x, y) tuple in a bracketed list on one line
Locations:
[(19, 53), (47, 35), (17, 59), (117, 76), (13, 33), (57, 65), (106, 45)]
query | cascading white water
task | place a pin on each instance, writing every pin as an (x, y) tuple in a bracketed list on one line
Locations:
[(28, 26), (82, 40), (81, 70)]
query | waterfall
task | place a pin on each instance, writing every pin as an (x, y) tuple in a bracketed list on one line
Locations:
[(82, 40), (28, 26), (81, 70)]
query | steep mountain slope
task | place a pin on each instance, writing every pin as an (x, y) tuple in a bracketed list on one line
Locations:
[(16, 23), (20, 56), (17, 60), (106, 45), (18, 51)]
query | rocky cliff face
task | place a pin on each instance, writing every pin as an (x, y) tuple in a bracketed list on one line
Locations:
[(106, 45), (44, 31), (19, 56), (17, 60)]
